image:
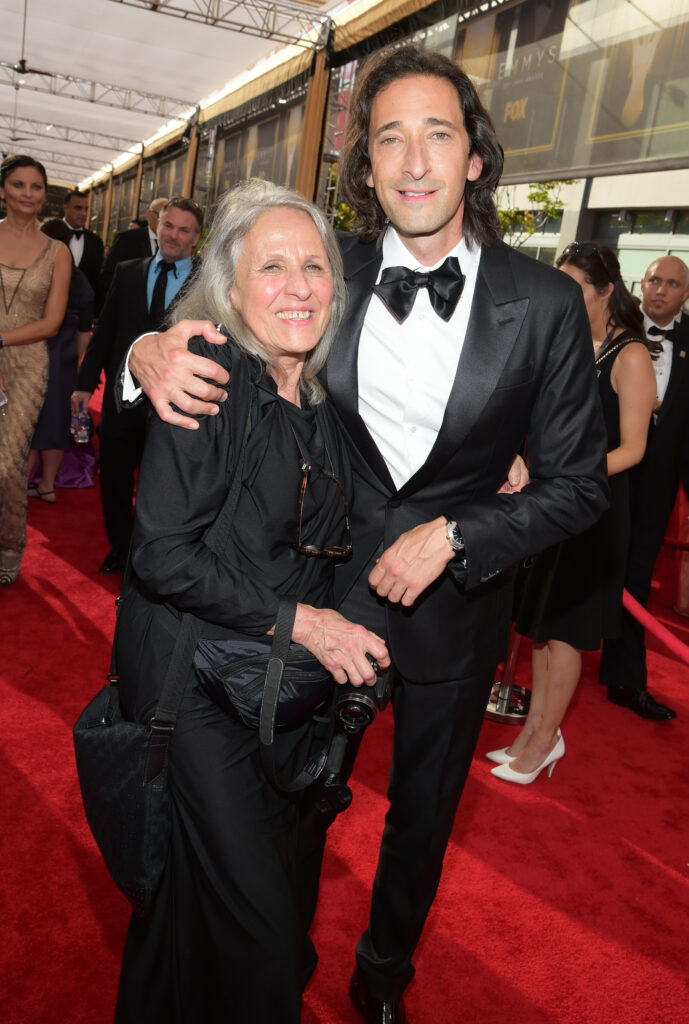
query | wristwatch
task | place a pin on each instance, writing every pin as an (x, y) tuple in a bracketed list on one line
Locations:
[(454, 536)]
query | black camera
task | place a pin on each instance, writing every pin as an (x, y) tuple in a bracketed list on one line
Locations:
[(357, 706), (355, 709)]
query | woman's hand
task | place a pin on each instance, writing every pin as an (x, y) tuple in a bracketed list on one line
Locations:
[(79, 401), (517, 478), (341, 646)]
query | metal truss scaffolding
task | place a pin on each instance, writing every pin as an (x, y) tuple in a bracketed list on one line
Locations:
[(284, 21), (87, 164), (102, 93), (27, 126)]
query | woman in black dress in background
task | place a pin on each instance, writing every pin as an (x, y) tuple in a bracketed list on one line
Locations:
[(52, 437), (572, 596)]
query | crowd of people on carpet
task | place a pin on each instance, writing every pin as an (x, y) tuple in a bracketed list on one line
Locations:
[(372, 395)]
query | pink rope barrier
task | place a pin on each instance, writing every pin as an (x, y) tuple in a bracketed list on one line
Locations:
[(653, 626)]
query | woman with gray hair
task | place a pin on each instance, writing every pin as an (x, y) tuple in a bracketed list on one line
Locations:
[(224, 940)]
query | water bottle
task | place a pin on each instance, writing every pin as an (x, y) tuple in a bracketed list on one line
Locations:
[(79, 426)]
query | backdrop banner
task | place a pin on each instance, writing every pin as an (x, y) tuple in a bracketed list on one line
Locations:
[(583, 87)]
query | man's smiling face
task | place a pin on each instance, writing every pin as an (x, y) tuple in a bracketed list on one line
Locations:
[(420, 159)]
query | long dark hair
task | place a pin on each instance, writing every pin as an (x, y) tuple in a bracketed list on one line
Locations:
[(600, 267), (11, 163), (480, 220)]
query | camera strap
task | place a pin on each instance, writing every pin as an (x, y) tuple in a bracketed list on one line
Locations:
[(279, 651)]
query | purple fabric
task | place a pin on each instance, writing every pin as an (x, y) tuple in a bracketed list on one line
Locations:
[(77, 469)]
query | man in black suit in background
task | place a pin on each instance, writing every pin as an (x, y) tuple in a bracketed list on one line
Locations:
[(86, 246), (654, 482), (438, 376), (141, 292), (132, 245)]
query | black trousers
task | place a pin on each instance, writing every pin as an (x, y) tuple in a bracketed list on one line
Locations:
[(122, 438), (224, 941), (623, 659), (436, 730)]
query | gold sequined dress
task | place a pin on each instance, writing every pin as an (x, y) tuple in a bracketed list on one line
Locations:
[(24, 371)]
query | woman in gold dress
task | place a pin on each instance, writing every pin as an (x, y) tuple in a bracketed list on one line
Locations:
[(35, 273)]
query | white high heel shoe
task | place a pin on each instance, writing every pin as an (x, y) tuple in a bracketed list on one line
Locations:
[(500, 756), (506, 772)]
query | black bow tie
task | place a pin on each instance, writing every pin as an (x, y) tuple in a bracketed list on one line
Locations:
[(77, 232), (662, 332), (399, 285)]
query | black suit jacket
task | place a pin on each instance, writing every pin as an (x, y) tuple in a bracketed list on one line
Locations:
[(123, 318), (128, 245), (655, 480), (92, 256), (526, 373)]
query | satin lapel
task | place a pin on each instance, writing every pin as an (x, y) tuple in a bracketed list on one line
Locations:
[(497, 313), (341, 373)]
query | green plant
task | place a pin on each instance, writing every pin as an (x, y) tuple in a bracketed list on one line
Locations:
[(344, 218), (341, 216), (545, 204)]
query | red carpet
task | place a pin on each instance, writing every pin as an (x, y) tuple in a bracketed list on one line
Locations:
[(564, 902)]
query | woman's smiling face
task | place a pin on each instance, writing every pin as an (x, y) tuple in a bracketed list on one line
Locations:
[(24, 191), (284, 286)]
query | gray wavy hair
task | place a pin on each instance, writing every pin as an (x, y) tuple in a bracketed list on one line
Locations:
[(208, 297)]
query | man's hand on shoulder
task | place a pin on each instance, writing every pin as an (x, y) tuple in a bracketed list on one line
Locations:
[(412, 563), (170, 374)]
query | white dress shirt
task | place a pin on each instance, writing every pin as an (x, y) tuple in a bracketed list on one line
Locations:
[(76, 245), (662, 364), (406, 371)]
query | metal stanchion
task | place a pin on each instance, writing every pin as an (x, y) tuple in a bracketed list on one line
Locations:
[(508, 702)]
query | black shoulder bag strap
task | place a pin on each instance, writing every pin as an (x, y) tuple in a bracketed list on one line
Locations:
[(279, 653), (164, 720)]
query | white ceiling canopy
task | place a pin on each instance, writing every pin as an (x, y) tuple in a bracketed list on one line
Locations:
[(82, 81)]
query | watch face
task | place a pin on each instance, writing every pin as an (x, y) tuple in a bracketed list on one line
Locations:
[(454, 536)]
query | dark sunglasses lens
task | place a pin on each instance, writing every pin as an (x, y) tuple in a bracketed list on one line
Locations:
[(334, 552), (580, 249)]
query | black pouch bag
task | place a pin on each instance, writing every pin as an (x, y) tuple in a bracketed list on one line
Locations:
[(232, 671)]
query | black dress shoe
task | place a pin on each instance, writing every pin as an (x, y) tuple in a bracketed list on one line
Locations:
[(111, 565), (641, 702), (374, 1011)]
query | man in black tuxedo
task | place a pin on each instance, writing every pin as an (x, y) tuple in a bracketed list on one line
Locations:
[(132, 245), (654, 482), (86, 246), (439, 377), (141, 291)]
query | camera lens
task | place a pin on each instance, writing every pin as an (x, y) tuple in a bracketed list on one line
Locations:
[(356, 710)]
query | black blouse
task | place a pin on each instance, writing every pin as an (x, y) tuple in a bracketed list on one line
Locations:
[(185, 476)]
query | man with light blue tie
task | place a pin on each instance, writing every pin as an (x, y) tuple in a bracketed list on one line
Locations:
[(141, 292)]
